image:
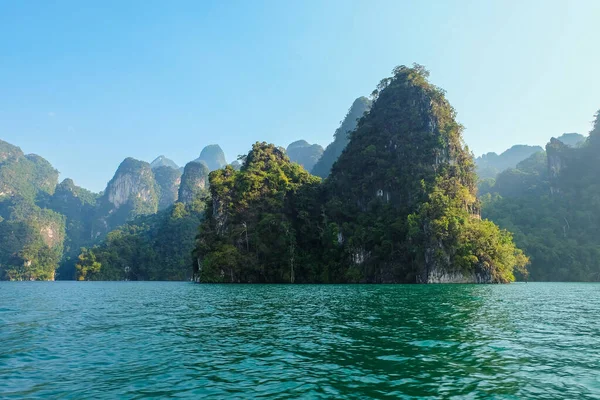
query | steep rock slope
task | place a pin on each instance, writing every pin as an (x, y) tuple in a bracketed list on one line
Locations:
[(341, 137), (194, 182), (398, 206), (403, 193), (213, 156), (162, 161), (130, 193), (78, 206), (168, 180)]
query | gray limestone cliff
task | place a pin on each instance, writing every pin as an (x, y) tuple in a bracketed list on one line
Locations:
[(194, 181), (131, 192)]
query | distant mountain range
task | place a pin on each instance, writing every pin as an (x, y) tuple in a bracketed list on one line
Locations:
[(491, 164)]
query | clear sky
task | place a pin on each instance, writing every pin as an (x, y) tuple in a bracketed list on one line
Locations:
[(87, 83)]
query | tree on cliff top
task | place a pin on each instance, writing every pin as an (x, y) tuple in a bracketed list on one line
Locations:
[(403, 192), (399, 205)]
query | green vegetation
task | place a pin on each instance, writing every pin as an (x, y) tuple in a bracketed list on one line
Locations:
[(24, 175), (193, 182), (550, 203), (399, 205), (491, 164), (305, 154), (131, 192), (32, 237), (32, 241), (155, 247), (78, 206), (340, 137), (248, 235), (167, 180)]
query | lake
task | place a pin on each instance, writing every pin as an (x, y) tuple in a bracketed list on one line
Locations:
[(135, 340)]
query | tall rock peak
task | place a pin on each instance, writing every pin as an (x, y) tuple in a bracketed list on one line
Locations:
[(194, 181), (305, 154), (213, 156), (359, 107)]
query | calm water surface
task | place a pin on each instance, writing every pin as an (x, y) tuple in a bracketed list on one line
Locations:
[(140, 340)]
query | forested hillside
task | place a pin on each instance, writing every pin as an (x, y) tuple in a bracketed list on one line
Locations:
[(550, 203), (399, 205)]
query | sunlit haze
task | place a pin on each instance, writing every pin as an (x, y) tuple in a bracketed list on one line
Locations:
[(88, 84)]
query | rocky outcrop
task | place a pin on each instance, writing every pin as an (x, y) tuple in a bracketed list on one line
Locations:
[(130, 193), (162, 161), (330, 155), (9, 152), (403, 175), (168, 181), (305, 154), (558, 155), (194, 181), (24, 175), (213, 157)]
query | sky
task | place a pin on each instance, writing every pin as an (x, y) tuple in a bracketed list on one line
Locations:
[(87, 84)]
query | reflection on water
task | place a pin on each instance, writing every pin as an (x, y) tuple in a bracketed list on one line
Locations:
[(142, 339)]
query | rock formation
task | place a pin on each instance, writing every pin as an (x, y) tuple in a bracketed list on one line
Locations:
[(304, 153), (194, 181)]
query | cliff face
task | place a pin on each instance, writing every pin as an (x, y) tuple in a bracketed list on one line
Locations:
[(341, 137), (304, 153), (194, 182), (78, 206), (168, 181), (130, 193), (403, 176), (213, 156), (399, 205)]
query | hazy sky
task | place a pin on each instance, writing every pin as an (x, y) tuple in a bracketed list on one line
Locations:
[(86, 84)]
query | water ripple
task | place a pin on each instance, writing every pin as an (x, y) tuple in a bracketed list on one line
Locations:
[(158, 340)]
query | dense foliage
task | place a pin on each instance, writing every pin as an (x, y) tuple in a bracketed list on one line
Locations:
[(249, 231), (24, 175), (399, 205), (31, 237), (32, 241), (155, 247), (551, 202), (78, 206), (305, 154), (340, 137)]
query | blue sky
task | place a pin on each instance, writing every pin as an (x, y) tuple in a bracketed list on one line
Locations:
[(86, 84)]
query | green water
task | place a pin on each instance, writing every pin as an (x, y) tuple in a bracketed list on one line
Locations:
[(140, 340)]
